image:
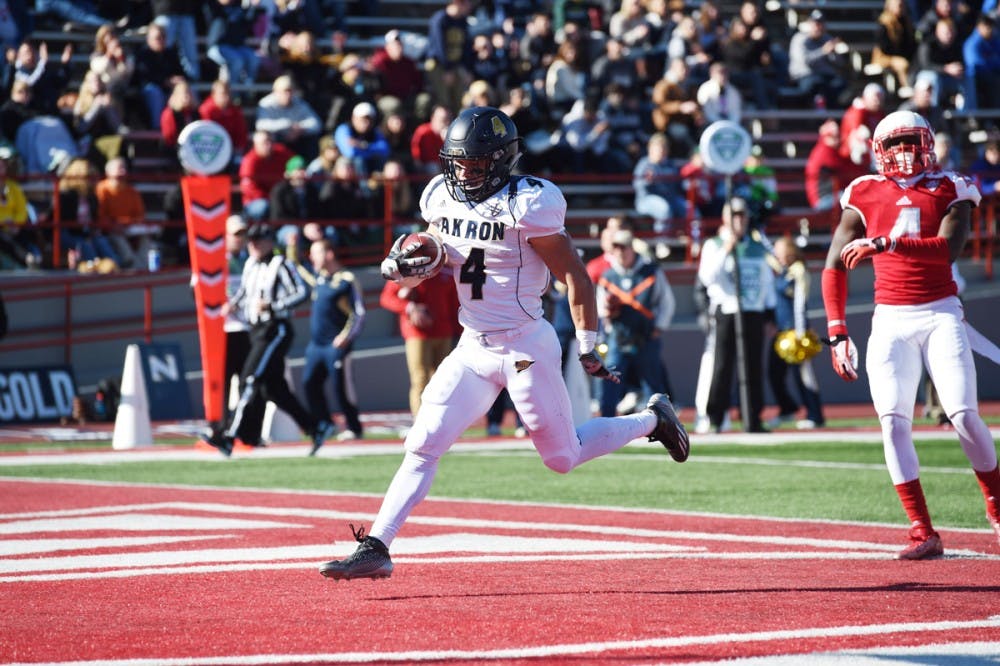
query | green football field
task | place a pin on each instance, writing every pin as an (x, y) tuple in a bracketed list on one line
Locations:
[(837, 477)]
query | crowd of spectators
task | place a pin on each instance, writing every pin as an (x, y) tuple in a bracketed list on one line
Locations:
[(597, 86)]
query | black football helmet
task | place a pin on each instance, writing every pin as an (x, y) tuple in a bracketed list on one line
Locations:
[(480, 149)]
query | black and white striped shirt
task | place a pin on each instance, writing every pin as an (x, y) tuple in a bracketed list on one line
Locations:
[(274, 281)]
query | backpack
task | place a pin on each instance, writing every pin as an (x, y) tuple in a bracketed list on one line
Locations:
[(106, 399)]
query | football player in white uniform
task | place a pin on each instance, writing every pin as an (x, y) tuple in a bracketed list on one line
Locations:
[(503, 236), (911, 220)]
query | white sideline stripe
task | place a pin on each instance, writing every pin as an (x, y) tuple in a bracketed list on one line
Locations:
[(321, 553), (469, 446), (816, 464), (482, 545), (191, 454), (126, 521), (465, 500), (765, 462), (450, 521), (25, 546), (920, 655), (133, 516), (559, 650)]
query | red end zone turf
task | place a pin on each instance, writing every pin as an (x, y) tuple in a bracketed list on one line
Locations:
[(106, 572)]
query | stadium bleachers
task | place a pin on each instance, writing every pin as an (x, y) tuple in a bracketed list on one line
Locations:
[(785, 135)]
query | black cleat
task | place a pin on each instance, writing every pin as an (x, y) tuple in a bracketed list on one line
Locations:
[(669, 430), (217, 441), (323, 430), (370, 560)]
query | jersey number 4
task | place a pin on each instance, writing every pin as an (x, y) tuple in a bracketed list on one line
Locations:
[(474, 272), (907, 224)]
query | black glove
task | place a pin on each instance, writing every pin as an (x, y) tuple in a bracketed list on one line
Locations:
[(594, 366)]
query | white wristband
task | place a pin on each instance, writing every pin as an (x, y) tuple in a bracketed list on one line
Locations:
[(587, 340)]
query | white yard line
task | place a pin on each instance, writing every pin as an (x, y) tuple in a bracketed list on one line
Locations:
[(959, 654), (223, 491), (337, 450), (980, 651), (483, 540)]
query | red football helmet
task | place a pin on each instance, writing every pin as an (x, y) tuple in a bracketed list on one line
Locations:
[(903, 144)]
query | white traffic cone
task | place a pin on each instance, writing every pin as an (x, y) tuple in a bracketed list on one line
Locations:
[(132, 426)]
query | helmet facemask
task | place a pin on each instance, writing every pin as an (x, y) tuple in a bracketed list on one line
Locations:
[(474, 178), (480, 149), (904, 152)]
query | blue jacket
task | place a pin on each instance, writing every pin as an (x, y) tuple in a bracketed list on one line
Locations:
[(377, 146), (646, 302), (660, 179), (231, 25), (448, 41), (981, 56), (791, 288), (337, 307)]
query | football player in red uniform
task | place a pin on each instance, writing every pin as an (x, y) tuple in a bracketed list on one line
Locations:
[(911, 220)]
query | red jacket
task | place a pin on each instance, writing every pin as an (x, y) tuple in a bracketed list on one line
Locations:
[(597, 266), (438, 295), (856, 116), (172, 122), (828, 172), (259, 174), (400, 78), (426, 144), (231, 118)]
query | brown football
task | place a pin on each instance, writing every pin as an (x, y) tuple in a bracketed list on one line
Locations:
[(430, 247)]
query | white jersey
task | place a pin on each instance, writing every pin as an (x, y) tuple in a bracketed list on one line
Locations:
[(500, 279)]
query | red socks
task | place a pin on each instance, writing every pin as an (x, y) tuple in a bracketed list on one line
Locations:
[(912, 496), (989, 482)]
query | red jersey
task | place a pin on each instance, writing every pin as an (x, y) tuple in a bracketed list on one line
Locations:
[(259, 174), (172, 122), (426, 145), (597, 266), (438, 294), (827, 172), (401, 78), (896, 209), (231, 118), (856, 116)]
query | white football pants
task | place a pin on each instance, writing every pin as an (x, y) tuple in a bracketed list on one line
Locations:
[(904, 339), (528, 361)]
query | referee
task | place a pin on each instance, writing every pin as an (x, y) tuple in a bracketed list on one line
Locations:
[(269, 289)]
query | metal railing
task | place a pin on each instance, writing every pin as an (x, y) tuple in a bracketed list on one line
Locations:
[(69, 290)]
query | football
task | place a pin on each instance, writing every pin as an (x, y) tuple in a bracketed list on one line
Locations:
[(429, 246)]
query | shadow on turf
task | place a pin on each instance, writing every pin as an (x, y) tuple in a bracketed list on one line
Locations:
[(897, 587)]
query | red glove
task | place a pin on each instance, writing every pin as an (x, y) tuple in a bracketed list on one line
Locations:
[(860, 249), (844, 356)]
